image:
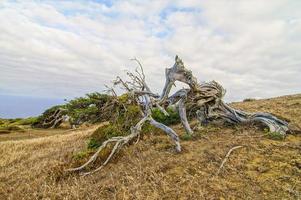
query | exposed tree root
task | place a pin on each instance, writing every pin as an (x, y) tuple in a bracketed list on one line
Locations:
[(206, 98)]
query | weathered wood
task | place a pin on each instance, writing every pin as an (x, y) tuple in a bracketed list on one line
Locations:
[(206, 98), (226, 157)]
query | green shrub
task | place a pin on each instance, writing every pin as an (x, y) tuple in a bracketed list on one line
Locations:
[(275, 136), (89, 108), (124, 98), (147, 128), (14, 120), (93, 143), (102, 134), (27, 121), (186, 137), (173, 117), (127, 118), (17, 121)]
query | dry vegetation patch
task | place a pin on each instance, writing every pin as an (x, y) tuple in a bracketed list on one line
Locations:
[(263, 168)]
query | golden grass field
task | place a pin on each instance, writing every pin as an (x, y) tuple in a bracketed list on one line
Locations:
[(33, 163)]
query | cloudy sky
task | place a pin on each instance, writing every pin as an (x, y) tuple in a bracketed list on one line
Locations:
[(62, 49)]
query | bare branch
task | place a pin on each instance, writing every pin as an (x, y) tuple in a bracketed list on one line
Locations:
[(226, 157), (141, 68), (110, 90)]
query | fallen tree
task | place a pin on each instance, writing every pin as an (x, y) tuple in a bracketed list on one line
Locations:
[(205, 99)]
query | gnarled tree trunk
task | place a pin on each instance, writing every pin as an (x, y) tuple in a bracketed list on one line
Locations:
[(205, 98)]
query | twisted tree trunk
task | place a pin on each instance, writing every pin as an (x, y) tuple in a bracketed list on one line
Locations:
[(205, 98)]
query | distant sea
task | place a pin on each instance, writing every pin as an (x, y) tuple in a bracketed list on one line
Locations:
[(25, 106)]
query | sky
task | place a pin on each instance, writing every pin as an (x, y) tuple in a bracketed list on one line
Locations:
[(64, 49), (25, 106)]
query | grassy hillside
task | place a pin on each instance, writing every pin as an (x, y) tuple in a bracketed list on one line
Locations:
[(265, 168)]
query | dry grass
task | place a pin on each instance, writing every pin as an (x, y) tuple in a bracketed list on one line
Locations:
[(262, 169)]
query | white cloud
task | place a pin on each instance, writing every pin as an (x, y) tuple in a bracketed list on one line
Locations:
[(68, 48)]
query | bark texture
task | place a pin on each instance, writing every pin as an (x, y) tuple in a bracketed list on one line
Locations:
[(207, 100)]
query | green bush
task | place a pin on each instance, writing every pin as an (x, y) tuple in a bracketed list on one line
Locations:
[(14, 120), (10, 123), (147, 128), (275, 136), (27, 121), (102, 134), (93, 143), (127, 118), (173, 117), (89, 108), (186, 137)]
